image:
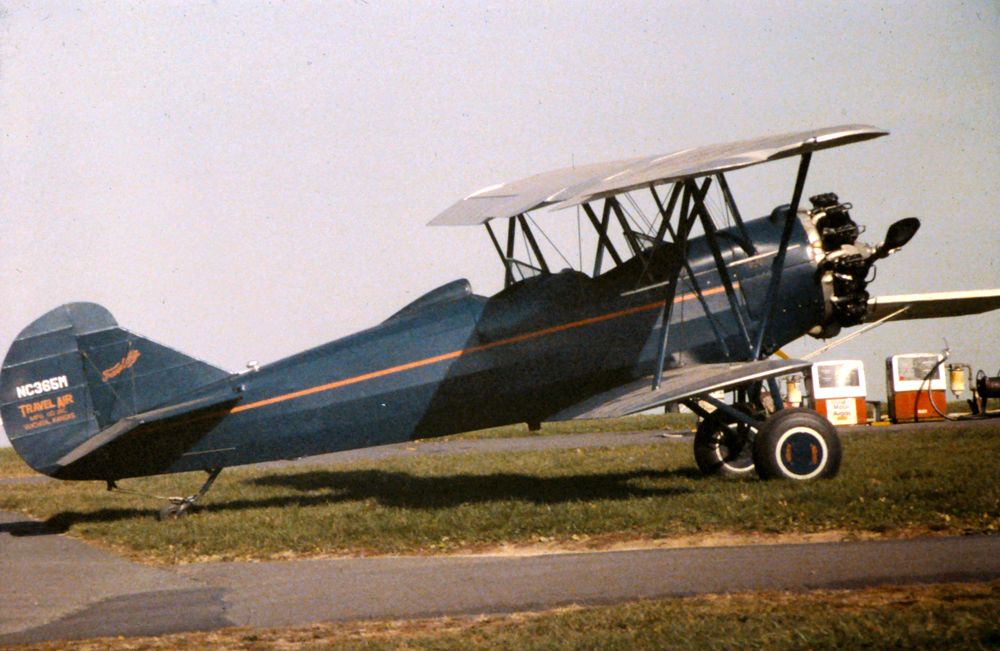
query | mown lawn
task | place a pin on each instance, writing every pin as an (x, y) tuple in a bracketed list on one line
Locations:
[(892, 483), (926, 617), (11, 464)]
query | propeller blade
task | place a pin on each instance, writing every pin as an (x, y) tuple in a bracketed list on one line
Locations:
[(897, 236)]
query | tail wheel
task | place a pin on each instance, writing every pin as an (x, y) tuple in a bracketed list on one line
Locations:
[(797, 444), (722, 447)]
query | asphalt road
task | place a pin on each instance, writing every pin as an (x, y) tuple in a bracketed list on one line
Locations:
[(54, 588)]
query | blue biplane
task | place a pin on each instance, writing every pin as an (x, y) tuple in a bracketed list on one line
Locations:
[(666, 316)]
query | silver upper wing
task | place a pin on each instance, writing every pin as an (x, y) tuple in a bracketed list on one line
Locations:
[(575, 185)]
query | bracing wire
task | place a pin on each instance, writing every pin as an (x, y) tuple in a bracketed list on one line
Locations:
[(551, 243), (579, 231), (527, 251), (725, 208), (633, 222), (711, 206), (640, 212), (717, 203)]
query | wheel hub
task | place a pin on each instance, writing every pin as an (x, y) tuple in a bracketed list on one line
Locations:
[(802, 452)]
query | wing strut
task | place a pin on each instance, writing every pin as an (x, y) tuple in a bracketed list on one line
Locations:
[(692, 279), (667, 214), (713, 243), (528, 235), (510, 263), (745, 242), (603, 241), (680, 237), (508, 274), (686, 220), (633, 243), (778, 264), (511, 235)]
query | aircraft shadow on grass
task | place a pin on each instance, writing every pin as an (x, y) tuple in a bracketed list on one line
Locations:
[(400, 490)]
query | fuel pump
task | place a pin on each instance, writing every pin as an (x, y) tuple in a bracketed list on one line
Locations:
[(916, 384), (839, 391)]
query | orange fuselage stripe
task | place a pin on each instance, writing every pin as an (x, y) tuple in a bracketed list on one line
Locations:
[(467, 351)]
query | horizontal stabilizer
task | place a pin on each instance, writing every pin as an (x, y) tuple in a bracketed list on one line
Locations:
[(934, 305), (678, 384), (162, 433)]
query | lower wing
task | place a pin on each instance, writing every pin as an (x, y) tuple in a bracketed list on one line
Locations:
[(677, 384)]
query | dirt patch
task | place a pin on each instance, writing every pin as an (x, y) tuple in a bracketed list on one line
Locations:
[(605, 543), (616, 543)]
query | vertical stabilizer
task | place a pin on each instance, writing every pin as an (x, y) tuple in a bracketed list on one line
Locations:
[(74, 372)]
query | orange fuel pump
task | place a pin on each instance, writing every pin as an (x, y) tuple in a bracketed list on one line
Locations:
[(913, 381)]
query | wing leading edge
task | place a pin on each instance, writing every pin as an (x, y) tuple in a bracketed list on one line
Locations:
[(677, 384)]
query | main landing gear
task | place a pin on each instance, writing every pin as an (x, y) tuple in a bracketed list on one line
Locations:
[(176, 506), (796, 444)]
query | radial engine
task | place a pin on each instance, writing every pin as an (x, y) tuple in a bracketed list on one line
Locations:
[(845, 266)]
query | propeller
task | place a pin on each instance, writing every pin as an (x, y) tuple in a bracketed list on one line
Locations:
[(896, 238)]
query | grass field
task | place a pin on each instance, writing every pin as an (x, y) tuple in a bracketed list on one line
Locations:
[(11, 464), (892, 483), (926, 617)]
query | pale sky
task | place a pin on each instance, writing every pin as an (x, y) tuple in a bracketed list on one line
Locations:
[(245, 180)]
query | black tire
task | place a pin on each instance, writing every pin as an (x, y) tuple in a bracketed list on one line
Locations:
[(723, 449), (797, 444)]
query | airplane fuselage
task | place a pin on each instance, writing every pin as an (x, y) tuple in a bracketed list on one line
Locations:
[(454, 361)]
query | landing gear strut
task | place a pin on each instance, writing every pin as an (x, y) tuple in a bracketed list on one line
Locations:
[(176, 506)]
